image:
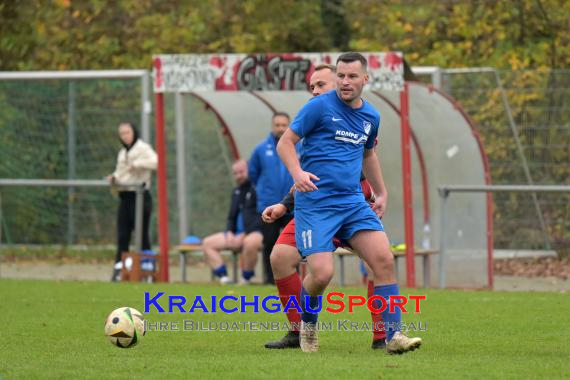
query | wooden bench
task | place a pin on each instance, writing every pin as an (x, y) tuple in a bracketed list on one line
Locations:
[(425, 254), (135, 271), (184, 249)]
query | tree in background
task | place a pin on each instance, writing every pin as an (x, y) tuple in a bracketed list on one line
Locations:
[(509, 35), (67, 34)]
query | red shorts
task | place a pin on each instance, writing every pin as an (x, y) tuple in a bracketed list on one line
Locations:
[(287, 236)]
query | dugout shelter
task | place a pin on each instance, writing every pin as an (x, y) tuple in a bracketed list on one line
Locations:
[(425, 140)]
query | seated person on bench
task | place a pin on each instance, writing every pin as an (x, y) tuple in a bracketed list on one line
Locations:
[(243, 230)]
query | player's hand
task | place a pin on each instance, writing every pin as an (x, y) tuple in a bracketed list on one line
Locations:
[(379, 205), (273, 212), (304, 181), (110, 179)]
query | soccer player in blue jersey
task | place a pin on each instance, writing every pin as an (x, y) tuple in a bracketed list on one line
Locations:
[(338, 130)]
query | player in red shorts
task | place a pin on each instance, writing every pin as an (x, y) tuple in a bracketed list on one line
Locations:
[(285, 257)]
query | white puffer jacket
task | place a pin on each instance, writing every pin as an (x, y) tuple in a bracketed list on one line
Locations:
[(136, 164)]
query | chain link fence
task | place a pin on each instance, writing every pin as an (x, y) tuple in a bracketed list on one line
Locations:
[(66, 129), (63, 126), (523, 119)]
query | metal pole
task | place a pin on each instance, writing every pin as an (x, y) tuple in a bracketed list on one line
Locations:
[(73, 74), (71, 156), (407, 178), (436, 79), (523, 158), (181, 167), (59, 182), (442, 231), (161, 185), (139, 205), (490, 241), (146, 106), (445, 190), (507, 188), (1, 221)]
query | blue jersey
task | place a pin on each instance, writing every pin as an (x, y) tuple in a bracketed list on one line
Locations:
[(334, 138), (268, 173)]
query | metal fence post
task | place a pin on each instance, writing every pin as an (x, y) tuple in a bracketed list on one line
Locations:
[(1, 221), (181, 179), (146, 106), (71, 156), (444, 194)]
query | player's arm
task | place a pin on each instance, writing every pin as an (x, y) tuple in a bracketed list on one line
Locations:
[(288, 154), (289, 201), (276, 211), (373, 172), (306, 120)]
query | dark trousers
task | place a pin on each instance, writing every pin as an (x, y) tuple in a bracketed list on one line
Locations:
[(126, 221), (271, 233)]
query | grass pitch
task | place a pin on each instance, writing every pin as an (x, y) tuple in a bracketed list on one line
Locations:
[(55, 330)]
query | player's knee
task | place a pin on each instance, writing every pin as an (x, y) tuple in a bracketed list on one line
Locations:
[(207, 242), (251, 245), (280, 257), (322, 278), (275, 259), (387, 259), (382, 264)]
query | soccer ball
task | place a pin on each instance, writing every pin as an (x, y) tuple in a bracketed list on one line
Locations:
[(124, 327)]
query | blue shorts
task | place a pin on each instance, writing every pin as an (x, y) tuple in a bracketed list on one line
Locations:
[(316, 227)]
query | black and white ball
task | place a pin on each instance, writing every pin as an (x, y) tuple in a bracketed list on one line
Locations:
[(124, 327)]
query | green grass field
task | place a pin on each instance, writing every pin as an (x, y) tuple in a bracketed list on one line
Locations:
[(55, 330)]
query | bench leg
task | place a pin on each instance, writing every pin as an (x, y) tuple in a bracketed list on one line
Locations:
[(235, 257), (427, 271)]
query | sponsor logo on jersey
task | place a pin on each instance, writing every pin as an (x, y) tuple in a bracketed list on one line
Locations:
[(350, 137)]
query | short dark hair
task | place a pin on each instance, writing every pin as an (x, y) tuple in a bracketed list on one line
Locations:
[(324, 66), (352, 56), (281, 113)]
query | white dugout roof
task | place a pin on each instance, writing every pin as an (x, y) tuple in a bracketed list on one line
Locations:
[(445, 150)]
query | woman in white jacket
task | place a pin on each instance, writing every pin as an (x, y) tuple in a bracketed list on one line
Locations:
[(135, 163)]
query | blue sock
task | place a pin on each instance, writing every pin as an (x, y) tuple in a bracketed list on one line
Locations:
[(391, 320), (221, 271), (247, 274), (314, 306)]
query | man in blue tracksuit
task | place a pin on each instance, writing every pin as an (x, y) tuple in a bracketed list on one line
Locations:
[(272, 182)]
